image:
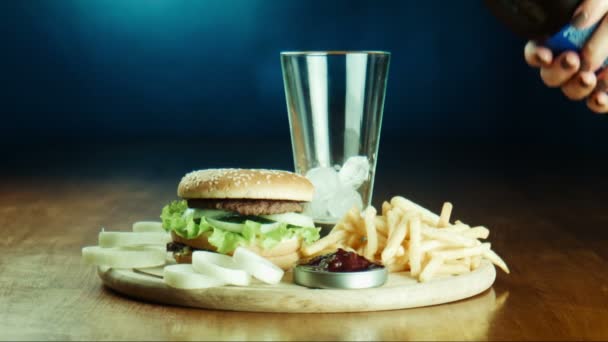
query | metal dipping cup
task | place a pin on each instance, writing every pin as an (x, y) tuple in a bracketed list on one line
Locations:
[(335, 101), (313, 278)]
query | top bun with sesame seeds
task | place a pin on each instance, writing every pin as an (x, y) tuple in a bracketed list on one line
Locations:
[(249, 184)]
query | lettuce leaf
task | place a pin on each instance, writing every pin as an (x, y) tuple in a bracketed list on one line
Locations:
[(177, 218), (308, 234), (172, 215), (225, 241)]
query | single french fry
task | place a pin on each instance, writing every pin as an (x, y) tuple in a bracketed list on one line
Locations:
[(381, 225), (456, 228), (450, 238), (323, 243), (391, 221), (407, 205), (403, 259), (396, 267), (328, 250), (415, 255), (496, 260), (349, 249), (394, 241), (479, 232), (431, 245), (381, 241), (458, 253), (399, 260), (446, 212), (466, 262), (430, 269), (398, 215), (386, 207), (405, 219), (350, 227), (372, 235), (452, 269), (400, 251), (353, 241)]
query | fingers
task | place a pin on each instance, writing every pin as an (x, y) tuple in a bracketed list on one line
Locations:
[(598, 100), (537, 56), (561, 70), (580, 86), (589, 13), (595, 51)]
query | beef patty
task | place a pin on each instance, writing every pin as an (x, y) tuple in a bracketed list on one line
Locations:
[(247, 206)]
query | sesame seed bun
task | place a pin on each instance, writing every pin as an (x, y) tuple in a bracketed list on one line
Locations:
[(245, 184)]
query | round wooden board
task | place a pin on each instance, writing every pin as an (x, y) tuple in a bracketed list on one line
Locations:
[(400, 292)]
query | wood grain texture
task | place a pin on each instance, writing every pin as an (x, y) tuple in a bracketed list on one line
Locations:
[(550, 228), (400, 292)]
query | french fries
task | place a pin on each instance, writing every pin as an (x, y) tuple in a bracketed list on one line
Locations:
[(408, 237)]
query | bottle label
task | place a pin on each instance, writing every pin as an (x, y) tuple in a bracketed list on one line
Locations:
[(570, 39)]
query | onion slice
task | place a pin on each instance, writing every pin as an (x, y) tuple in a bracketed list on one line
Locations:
[(122, 239), (258, 266), (148, 227), (183, 276), (198, 213), (124, 257), (295, 219), (219, 266), (268, 227)]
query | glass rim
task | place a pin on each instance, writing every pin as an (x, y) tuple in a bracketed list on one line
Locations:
[(335, 52)]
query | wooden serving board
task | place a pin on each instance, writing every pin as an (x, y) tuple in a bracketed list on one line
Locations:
[(400, 292)]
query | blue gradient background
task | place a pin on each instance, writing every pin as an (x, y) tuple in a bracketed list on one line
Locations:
[(79, 71)]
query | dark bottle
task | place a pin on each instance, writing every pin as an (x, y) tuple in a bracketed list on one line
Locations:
[(546, 21)]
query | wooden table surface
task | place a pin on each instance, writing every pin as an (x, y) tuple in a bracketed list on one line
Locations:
[(550, 224)]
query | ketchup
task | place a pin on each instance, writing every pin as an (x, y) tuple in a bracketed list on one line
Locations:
[(342, 261)]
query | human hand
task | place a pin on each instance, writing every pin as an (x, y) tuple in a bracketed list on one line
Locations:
[(574, 72)]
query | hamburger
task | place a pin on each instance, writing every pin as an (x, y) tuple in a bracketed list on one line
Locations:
[(222, 209)]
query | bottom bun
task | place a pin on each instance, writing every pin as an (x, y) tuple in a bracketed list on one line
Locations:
[(286, 247), (183, 258), (285, 254), (200, 242)]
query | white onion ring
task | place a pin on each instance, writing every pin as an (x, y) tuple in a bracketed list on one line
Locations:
[(183, 276), (292, 218), (268, 227), (229, 226), (124, 257), (219, 266), (258, 266), (148, 227), (122, 239)]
